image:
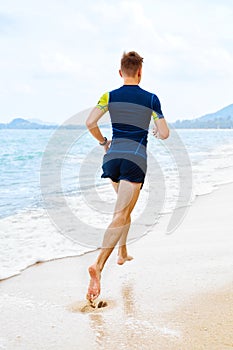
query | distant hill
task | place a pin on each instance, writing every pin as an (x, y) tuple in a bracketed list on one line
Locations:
[(41, 122), (222, 119), (20, 123)]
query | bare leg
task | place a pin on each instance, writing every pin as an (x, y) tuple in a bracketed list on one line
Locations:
[(115, 185), (122, 250), (126, 199)]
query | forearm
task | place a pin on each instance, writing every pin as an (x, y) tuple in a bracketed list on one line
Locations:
[(161, 129), (96, 133), (92, 125)]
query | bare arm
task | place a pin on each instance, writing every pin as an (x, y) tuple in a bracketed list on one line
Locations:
[(161, 129), (92, 125)]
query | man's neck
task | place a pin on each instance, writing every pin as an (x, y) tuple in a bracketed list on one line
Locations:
[(131, 81)]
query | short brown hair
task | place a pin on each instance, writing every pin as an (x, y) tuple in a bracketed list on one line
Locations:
[(130, 63)]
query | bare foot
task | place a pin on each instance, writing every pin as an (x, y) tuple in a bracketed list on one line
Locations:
[(122, 259), (94, 285)]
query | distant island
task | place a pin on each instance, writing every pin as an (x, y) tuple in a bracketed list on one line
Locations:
[(222, 119), (20, 123)]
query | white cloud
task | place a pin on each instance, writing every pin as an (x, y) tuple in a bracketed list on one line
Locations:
[(25, 89), (57, 62), (72, 49)]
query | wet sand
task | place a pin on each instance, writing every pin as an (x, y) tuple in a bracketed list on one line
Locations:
[(177, 292)]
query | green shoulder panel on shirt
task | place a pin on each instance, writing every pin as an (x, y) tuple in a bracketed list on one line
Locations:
[(155, 115), (103, 102)]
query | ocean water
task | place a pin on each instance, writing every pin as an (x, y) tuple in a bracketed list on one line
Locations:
[(39, 166)]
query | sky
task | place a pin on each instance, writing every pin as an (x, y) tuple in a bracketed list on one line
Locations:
[(59, 56)]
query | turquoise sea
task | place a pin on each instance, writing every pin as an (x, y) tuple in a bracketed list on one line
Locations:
[(28, 233)]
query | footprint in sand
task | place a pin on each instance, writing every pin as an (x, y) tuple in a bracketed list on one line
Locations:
[(102, 304), (86, 307)]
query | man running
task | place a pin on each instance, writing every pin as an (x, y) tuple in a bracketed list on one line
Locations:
[(125, 160)]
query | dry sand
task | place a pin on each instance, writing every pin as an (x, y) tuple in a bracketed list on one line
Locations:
[(177, 293)]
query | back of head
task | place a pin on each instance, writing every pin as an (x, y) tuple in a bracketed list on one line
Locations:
[(130, 63)]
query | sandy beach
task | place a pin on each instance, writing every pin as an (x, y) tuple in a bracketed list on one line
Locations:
[(177, 293)]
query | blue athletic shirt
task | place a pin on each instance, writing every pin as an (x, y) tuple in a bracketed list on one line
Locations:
[(130, 109)]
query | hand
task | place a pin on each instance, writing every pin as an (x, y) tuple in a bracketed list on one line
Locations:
[(107, 146), (155, 132)]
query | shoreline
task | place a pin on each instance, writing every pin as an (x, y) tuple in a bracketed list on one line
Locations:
[(162, 216), (175, 294)]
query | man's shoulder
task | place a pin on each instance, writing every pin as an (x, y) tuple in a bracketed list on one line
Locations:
[(148, 92), (116, 89)]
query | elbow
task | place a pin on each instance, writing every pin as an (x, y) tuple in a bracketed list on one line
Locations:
[(90, 124)]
